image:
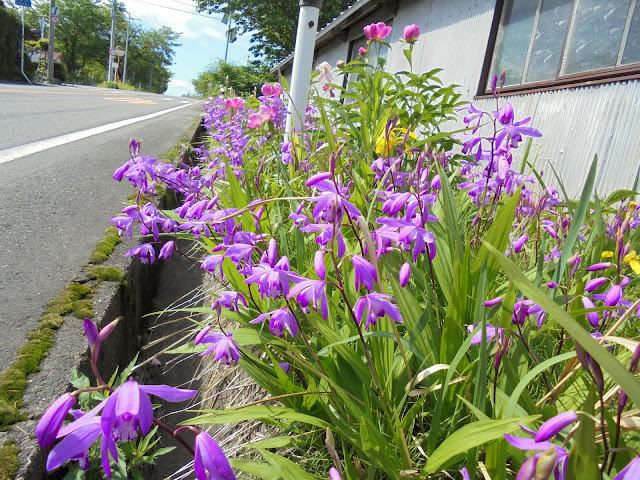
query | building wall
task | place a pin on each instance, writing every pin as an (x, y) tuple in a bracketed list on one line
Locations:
[(576, 123)]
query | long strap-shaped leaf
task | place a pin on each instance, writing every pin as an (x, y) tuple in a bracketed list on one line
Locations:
[(576, 220), (606, 360)]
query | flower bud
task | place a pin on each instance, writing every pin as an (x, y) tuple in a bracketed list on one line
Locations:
[(633, 365), (593, 284), (494, 86), (613, 296), (593, 317), (405, 274), (555, 425), (318, 264), (411, 33), (362, 51), (599, 266), (546, 463)]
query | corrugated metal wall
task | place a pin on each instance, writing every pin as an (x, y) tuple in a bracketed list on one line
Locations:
[(576, 123)]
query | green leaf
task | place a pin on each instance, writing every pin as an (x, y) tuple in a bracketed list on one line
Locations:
[(286, 469), (259, 469), (583, 457), (470, 436), (273, 442), (576, 220), (264, 413), (600, 354)]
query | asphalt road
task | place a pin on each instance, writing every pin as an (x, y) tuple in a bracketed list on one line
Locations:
[(55, 204)]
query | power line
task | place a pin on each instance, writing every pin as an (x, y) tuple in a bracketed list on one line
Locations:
[(176, 9)]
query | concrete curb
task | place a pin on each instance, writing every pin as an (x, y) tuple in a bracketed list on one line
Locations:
[(128, 300)]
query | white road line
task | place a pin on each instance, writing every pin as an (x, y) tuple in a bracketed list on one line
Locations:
[(14, 153)]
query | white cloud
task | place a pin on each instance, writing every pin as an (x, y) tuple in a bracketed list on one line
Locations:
[(179, 87)]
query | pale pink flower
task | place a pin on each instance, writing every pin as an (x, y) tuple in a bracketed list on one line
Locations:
[(325, 72)]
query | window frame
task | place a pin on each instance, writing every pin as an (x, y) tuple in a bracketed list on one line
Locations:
[(581, 79)]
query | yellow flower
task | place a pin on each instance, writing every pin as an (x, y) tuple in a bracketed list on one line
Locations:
[(633, 260), (606, 254), (385, 146)]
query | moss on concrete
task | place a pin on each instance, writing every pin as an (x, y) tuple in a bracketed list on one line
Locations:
[(83, 309), (9, 461), (105, 247), (106, 274)]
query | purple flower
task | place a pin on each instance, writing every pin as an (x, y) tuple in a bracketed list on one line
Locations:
[(311, 292), (167, 249), (228, 299), (599, 266), (273, 281), (334, 474), (555, 425), (528, 469), (593, 317), (411, 33), (210, 461), (77, 438), (51, 421), (519, 242), (332, 202), (405, 274), (144, 251), (375, 32), (95, 338), (365, 273), (318, 264), (613, 296), (630, 472), (211, 263), (129, 408), (222, 343), (465, 474), (493, 302), (279, 320), (376, 305), (492, 332)]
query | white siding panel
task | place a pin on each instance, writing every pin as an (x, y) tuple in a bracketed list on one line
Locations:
[(576, 123)]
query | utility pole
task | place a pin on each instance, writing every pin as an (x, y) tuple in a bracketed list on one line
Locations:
[(112, 43), (302, 63), (126, 53), (52, 27)]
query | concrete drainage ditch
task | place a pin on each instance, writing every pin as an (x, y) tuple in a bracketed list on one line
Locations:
[(142, 290)]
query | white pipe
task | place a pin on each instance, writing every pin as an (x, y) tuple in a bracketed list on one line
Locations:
[(22, 50), (302, 63)]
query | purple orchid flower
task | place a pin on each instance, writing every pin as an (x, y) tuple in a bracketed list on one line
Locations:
[(492, 332), (376, 305), (630, 472), (599, 266), (555, 425), (129, 408), (594, 283), (365, 273), (144, 251), (273, 281), (211, 263), (279, 320), (311, 292), (228, 299), (493, 302), (332, 202), (222, 343), (593, 317), (405, 274), (210, 461), (51, 420), (77, 438), (167, 250)]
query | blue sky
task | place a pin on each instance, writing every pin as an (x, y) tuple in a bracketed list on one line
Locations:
[(203, 38)]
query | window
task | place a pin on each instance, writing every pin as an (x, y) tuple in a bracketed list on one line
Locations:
[(548, 43)]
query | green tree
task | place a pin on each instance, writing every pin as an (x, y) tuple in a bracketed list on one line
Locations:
[(272, 23), (151, 53), (244, 79)]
